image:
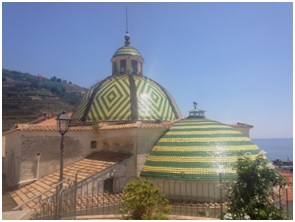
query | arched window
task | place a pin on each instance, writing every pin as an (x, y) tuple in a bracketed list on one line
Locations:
[(134, 66), (123, 66), (115, 68)]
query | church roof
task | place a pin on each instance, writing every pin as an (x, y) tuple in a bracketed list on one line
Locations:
[(126, 97), (197, 149)]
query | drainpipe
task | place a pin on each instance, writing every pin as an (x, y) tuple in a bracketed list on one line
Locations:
[(38, 165)]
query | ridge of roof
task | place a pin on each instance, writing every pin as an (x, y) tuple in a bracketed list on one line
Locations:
[(239, 125), (100, 126)]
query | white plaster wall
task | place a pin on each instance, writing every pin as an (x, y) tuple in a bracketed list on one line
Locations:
[(137, 141), (141, 158), (244, 130), (195, 191), (95, 184), (28, 146), (120, 140), (147, 138), (11, 148), (47, 144)]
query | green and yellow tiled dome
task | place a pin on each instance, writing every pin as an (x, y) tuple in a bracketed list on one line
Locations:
[(197, 149), (126, 97), (126, 51)]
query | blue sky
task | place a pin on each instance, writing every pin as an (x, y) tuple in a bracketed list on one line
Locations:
[(234, 59)]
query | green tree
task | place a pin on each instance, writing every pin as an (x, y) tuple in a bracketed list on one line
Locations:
[(251, 196), (143, 201)]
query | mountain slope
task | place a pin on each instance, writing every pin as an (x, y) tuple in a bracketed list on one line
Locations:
[(26, 97)]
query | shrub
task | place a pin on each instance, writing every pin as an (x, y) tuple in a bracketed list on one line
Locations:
[(143, 201), (250, 197)]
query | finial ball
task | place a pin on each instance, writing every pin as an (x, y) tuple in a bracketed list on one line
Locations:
[(127, 38)]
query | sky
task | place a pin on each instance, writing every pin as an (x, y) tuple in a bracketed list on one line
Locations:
[(234, 59)]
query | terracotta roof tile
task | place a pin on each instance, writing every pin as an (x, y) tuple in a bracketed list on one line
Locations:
[(104, 126), (85, 168), (289, 177), (136, 125), (50, 125), (241, 125)]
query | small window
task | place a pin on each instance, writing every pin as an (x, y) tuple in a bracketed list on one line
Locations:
[(123, 66), (108, 185), (115, 68), (134, 66), (93, 144)]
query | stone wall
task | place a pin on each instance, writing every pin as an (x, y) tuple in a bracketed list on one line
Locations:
[(120, 140), (137, 141), (47, 148), (11, 157), (37, 153)]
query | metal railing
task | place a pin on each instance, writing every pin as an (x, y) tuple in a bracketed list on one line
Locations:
[(103, 196)]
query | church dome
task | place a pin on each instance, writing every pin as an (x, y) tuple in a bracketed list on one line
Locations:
[(127, 59), (127, 51), (126, 97), (127, 94), (197, 149)]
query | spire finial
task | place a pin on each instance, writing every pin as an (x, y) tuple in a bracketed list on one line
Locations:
[(126, 20), (127, 36), (195, 105)]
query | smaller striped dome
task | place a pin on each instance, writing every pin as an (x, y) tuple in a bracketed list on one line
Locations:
[(127, 51), (197, 149), (127, 60)]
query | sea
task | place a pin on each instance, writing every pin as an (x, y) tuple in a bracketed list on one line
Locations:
[(276, 148)]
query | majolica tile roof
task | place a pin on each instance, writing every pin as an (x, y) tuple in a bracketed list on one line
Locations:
[(84, 168), (197, 149), (126, 97), (127, 51)]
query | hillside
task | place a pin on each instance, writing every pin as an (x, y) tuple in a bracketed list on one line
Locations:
[(26, 97)]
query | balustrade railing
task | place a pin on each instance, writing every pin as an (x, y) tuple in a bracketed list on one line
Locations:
[(102, 196)]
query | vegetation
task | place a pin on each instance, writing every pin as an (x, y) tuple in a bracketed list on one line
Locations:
[(143, 201), (66, 91), (26, 97), (250, 198)]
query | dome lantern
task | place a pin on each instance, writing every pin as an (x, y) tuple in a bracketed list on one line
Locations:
[(127, 59), (197, 113)]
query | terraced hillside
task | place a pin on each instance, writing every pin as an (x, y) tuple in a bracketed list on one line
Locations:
[(26, 97)]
